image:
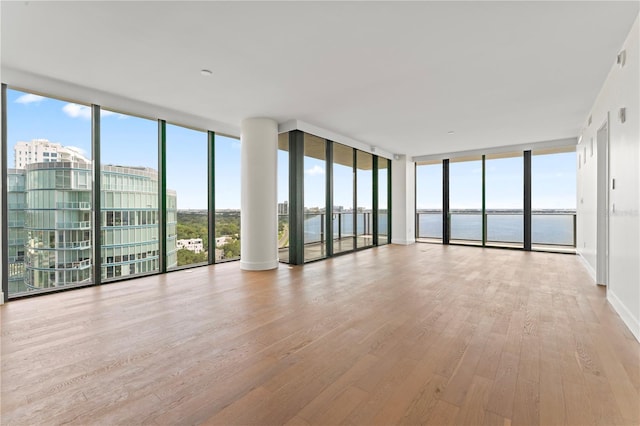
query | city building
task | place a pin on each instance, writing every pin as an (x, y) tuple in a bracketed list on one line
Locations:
[(50, 243), (191, 244), (220, 241), (43, 151), (283, 208), (334, 104)]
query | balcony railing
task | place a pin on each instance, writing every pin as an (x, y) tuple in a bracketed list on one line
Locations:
[(73, 244), (73, 205), (553, 229), (547, 228), (73, 225), (343, 227)]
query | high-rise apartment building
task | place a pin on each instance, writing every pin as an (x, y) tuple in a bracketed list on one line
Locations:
[(50, 219), (44, 151)]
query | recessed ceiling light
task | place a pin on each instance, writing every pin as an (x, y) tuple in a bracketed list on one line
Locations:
[(206, 72)]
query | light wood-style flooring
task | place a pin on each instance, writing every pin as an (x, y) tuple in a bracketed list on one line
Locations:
[(422, 334)]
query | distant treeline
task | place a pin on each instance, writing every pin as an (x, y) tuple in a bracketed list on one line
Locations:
[(193, 224)]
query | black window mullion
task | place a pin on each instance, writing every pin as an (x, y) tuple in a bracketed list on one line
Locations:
[(5, 197), (97, 186), (355, 198), (374, 207), (446, 219), (329, 197), (162, 195), (389, 201), (484, 200), (527, 200), (211, 198), (296, 197)]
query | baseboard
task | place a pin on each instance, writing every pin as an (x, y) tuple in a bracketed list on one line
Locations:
[(627, 317), (590, 270), (402, 242), (259, 266)]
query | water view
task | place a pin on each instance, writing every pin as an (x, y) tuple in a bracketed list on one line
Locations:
[(548, 227)]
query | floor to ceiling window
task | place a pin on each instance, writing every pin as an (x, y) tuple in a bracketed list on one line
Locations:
[(383, 200), (553, 199), (227, 193), (283, 197), (364, 199), (504, 199), (343, 215), (336, 185), (489, 199), (465, 198), (187, 196), (153, 182), (49, 188), (129, 195), (315, 169), (429, 201)]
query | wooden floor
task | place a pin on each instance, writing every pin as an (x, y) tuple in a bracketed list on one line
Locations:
[(424, 334)]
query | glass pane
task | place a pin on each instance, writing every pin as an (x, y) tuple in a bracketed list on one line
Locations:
[(227, 193), (129, 195), (364, 179), (383, 201), (187, 201), (553, 199), (49, 185), (465, 200), (343, 213), (504, 189), (429, 201), (283, 197), (314, 197)]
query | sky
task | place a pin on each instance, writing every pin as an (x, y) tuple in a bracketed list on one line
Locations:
[(553, 183), (132, 141)]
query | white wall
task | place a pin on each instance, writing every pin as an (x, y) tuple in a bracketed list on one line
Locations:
[(621, 89), (403, 201)]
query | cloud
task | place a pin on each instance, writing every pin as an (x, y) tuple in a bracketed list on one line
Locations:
[(77, 150), (77, 111), (84, 112), (315, 171), (29, 99)]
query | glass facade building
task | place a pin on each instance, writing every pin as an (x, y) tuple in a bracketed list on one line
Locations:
[(50, 224), (130, 223)]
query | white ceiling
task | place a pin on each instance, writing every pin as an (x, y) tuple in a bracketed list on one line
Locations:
[(395, 75)]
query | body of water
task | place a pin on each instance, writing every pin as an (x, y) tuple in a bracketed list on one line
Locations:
[(554, 229), (314, 225)]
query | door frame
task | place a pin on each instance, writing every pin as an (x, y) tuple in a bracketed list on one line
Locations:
[(602, 203)]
